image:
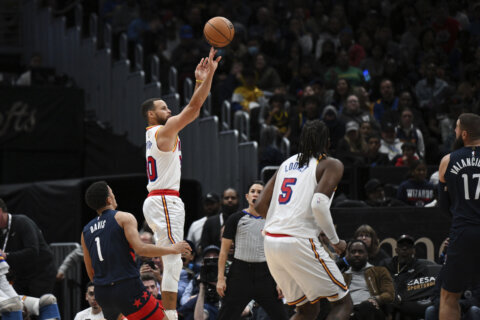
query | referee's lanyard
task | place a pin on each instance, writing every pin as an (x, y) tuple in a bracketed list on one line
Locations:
[(9, 224)]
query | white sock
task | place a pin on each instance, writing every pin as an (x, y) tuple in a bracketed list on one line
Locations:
[(171, 314)]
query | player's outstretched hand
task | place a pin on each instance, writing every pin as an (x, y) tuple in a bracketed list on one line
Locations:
[(182, 247), (340, 247)]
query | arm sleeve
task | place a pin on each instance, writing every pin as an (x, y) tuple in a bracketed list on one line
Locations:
[(443, 197), (321, 212)]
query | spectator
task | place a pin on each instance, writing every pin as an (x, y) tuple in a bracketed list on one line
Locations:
[(335, 126), (342, 70), (408, 155), (416, 191), (189, 271), (352, 147), (94, 312), (387, 102), (373, 157), (408, 132), (371, 287), (375, 193), (352, 112), (268, 152), (247, 95), (74, 258), (211, 229), (390, 144), (278, 116), (267, 77), (364, 99), (28, 254), (25, 78), (151, 285), (367, 235), (340, 94), (405, 268), (431, 91), (211, 206), (308, 109)]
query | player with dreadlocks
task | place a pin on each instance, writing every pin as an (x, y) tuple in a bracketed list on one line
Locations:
[(296, 204)]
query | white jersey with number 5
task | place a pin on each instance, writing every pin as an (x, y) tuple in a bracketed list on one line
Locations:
[(163, 168), (290, 209)]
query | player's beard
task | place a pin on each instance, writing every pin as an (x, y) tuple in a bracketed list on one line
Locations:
[(458, 143), (161, 121)]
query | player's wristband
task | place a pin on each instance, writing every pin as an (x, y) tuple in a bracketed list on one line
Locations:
[(199, 81)]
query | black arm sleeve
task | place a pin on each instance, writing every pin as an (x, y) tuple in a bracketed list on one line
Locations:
[(231, 225), (443, 197)]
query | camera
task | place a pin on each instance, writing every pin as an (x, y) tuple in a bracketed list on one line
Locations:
[(209, 270)]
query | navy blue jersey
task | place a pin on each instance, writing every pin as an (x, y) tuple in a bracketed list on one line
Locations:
[(463, 184), (112, 257)]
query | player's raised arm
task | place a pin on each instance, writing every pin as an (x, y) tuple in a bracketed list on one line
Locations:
[(330, 175), (86, 259), (204, 76), (263, 202), (129, 224)]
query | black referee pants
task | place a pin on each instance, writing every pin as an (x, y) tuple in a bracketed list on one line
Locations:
[(246, 282)]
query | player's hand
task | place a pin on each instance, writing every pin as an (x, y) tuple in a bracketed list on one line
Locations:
[(181, 247), (280, 293), (60, 276), (221, 287), (201, 71), (212, 63), (340, 247)]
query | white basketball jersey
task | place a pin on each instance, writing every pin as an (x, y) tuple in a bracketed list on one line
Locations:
[(290, 209), (163, 168)]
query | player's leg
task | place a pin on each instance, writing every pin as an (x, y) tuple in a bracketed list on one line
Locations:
[(449, 306), (307, 311), (266, 294), (341, 309), (10, 303)]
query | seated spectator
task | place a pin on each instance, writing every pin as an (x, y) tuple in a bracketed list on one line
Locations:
[(247, 95), (73, 258), (408, 132), (431, 91), (371, 288), (351, 147), (269, 154), (340, 93), (375, 193), (343, 70), (151, 285), (352, 112), (335, 126), (408, 155), (387, 102), (364, 99), (373, 157), (366, 129), (267, 76), (189, 271), (416, 191), (390, 144), (95, 311), (28, 254), (368, 235), (405, 269), (308, 109), (278, 116)]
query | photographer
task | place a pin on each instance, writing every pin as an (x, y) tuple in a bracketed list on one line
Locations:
[(248, 277), (200, 299)]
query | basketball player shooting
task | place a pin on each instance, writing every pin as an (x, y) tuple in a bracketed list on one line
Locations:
[(296, 203), (163, 209)]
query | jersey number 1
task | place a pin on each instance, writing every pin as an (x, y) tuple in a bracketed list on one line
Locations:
[(99, 250), (286, 194)]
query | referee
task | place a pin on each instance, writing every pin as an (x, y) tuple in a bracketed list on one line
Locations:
[(248, 277)]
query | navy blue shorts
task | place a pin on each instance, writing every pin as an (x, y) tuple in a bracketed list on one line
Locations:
[(461, 269), (130, 298)]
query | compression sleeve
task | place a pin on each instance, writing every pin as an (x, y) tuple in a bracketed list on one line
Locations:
[(321, 213)]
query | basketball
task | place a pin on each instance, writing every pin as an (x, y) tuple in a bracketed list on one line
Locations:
[(219, 32)]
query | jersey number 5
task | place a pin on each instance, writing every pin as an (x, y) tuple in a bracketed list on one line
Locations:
[(286, 194), (151, 169)]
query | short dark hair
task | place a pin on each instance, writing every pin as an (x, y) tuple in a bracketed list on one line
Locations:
[(350, 244), (148, 105), (89, 284), (147, 277), (3, 205), (470, 122), (260, 182), (96, 195)]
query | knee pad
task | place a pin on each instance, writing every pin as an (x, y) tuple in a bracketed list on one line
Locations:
[(172, 266), (48, 307), (11, 305)]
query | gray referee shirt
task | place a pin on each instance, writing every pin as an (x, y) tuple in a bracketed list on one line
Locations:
[(246, 230)]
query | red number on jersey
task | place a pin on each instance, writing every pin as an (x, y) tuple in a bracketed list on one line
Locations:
[(284, 198), (151, 169)]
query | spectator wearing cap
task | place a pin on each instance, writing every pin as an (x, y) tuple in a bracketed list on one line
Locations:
[(351, 147), (371, 287), (373, 157), (248, 276), (406, 269), (388, 101), (211, 206), (417, 191), (352, 112), (408, 155), (390, 144), (375, 192), (407, 132)]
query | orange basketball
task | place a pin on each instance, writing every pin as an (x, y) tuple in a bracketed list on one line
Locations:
[(219, 32)]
